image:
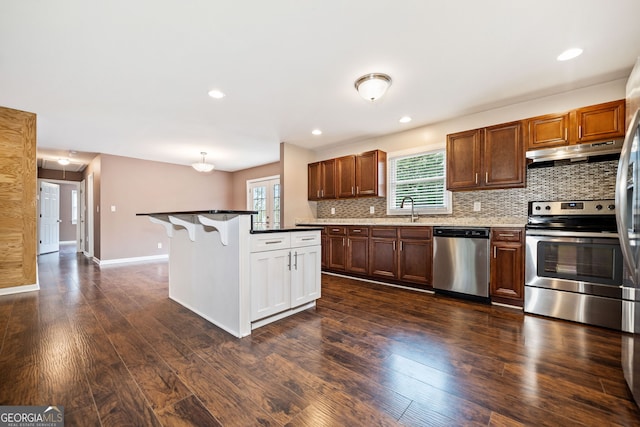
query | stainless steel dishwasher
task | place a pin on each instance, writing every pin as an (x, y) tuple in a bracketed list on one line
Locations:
[(461, 260)]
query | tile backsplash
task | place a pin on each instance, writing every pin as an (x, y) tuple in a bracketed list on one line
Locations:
[(580, 181)]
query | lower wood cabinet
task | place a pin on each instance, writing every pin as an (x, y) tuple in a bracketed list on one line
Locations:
[(507, 266), (337, 253), (415, 256), (357, 250), (383, 258)]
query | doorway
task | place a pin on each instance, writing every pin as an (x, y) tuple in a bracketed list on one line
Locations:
[(263, 195), (58, 208)]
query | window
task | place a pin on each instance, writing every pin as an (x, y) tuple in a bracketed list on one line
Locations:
[(422, 177), (74, 206)]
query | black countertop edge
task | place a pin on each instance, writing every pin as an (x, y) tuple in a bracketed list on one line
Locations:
[(286, 229), (210, 212)]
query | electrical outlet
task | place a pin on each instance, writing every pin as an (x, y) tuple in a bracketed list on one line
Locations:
[(476, 206), (159, 245), (372, 210), (333, 211)]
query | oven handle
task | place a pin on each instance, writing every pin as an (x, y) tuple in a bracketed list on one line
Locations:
[(576, 234), (621, 198)]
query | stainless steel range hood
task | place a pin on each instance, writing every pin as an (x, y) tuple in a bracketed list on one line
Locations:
[(595, 151)]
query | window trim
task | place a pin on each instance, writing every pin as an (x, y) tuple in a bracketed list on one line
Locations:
[(448, 199)]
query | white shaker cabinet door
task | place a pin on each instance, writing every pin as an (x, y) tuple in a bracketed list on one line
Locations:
[(270, 283), (305, 274)]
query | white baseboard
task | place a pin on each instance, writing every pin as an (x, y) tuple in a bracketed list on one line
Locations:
[(19, 289), (108, 262), (65, 242)]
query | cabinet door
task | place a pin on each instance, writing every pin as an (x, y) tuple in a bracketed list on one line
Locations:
[(270, 283), (305, 275), (551, 130), (346, 176), (371, 173), (415, 261), (503, 157), (383, 258), (325, 250), (358, 255), (337, 253), (328, 180), (463, 160), (314, 177), (599, 122), (507, 274)]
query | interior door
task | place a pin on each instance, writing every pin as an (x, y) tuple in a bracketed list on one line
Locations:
[(49, 217), (263, 195)]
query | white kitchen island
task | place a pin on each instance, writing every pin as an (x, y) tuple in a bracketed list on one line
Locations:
[(237, 278)]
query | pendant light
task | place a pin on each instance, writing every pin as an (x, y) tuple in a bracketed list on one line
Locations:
[(203, 166)]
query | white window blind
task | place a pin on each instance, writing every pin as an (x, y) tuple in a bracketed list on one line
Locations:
[(421, 177)]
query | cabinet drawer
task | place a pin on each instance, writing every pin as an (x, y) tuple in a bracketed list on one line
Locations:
[(305, 238), (358, 231), (506, 234), (335, 230), (422, 233), (384, 232), (270, 241)]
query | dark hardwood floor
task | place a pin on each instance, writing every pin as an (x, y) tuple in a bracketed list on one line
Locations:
[(109, 346)]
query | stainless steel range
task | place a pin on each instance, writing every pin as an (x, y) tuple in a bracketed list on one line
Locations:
[(574, 263)]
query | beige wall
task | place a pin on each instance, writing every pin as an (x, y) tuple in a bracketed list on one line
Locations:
[(240, 178), (294, 184), (140, 186)]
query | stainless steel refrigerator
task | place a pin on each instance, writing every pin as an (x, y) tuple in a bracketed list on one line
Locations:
[(628, 222)]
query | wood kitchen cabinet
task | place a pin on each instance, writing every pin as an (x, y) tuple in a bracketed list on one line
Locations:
[(337, 254), (599, 122), (486, 158), (361, 175), (401, 253), (321, 180), (507, 266), (383, 258), (593, 123), (415, 256), (357, 250), (324, 241), (551, 130)]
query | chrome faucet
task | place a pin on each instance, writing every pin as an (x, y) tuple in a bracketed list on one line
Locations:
[(414, 217)]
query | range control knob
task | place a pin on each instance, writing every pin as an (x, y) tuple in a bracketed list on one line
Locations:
[(538, 208), (611, 207), (599, 207), (548, 208)]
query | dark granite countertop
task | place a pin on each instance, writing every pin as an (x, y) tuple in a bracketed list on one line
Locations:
[(205, 212)]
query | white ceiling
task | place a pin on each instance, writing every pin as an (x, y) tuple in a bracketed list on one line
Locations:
[(131, 78)]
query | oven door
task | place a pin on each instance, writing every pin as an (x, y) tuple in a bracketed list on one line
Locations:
[(585, 263)]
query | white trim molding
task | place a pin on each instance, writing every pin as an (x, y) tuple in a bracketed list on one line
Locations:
[(19, 289), (150, 258)]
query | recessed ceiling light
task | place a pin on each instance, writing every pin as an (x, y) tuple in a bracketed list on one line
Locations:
[(569, 54), (217, 94), (63, 162), (316, 132), (405, 119)]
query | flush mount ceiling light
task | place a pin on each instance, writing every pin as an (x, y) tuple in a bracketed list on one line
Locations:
[(373, 86), (63, 162), (569, 54), (316, 132), (405, 119), (203, 166)]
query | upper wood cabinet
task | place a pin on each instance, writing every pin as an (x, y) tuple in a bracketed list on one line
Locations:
[(551, 130), (321, 180), (359, 175), (587, 124), (486, 158), (599, 122)]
